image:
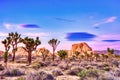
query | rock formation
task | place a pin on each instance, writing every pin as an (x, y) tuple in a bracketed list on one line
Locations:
[(21, 52), (39, 50), (81, 47)]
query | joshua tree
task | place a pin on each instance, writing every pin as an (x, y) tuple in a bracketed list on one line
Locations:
[(106, 57), (30, 45), (6, 43), (44, 53), (54, 43), (110, 52), (87, 55), (97, 56), (103, 56), (62, 54), (15, 39)]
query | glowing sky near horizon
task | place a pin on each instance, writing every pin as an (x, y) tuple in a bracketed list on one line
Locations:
[(70, 21)]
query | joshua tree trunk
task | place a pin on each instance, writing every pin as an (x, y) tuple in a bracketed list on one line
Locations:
[(13, 58), (53, 56), (29, 58), (5, 59), (43, 58)]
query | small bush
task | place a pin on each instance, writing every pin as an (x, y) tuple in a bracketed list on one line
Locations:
[(89, 73), (36, 65), (83, 73), (39, 76), (20, 78), (107, 68), (14, 72), (1, 67), (57, 72), (74, 71), (62, 54)]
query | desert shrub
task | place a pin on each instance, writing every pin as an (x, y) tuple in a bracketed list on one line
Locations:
[(115, 63), (1, 67), (39, 76), (102, 67), (14, 72), (21, 61), (107, 68), (62, 54), (63, 67), (74, 71), (89, 67), (89, 73), (83, 73), (21, 78), (57, 72), (36, 65)]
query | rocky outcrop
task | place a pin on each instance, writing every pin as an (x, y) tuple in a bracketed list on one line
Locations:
[(21, 52), (39, 50), (81, 47)]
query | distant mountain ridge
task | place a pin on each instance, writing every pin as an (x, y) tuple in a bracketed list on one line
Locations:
[(105, 51)]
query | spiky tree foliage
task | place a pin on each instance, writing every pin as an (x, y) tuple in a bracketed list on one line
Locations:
[(103, 56), (15, 39), (6, 43), (30, 45), (44, 53), (110, 52), (106, 57), (91, 56), (62, 54), (86, 55), (54, 43), (97, 56)]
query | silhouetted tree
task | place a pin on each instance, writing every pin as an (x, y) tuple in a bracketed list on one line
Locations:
[(54, 43), (110, 52), (15, 39), (6, 43), (30, 45)]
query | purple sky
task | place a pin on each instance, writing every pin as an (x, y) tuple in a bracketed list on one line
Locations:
[(70, 21)]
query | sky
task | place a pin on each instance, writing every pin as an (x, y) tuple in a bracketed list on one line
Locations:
[(96, 22)]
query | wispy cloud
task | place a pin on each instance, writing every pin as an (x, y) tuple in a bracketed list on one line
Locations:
[(108, 38), (108, 20), (111, 19), (10, 25), (63, 19), (2, 34), (19, 26), (42, 34)]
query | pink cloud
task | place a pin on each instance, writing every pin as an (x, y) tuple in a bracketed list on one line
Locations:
[(111, 19), (42, 34), (3, 34), (108, 20)]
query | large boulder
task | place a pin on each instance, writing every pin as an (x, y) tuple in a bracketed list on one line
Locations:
[(81, 47), (39, 50), (21, 52)]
